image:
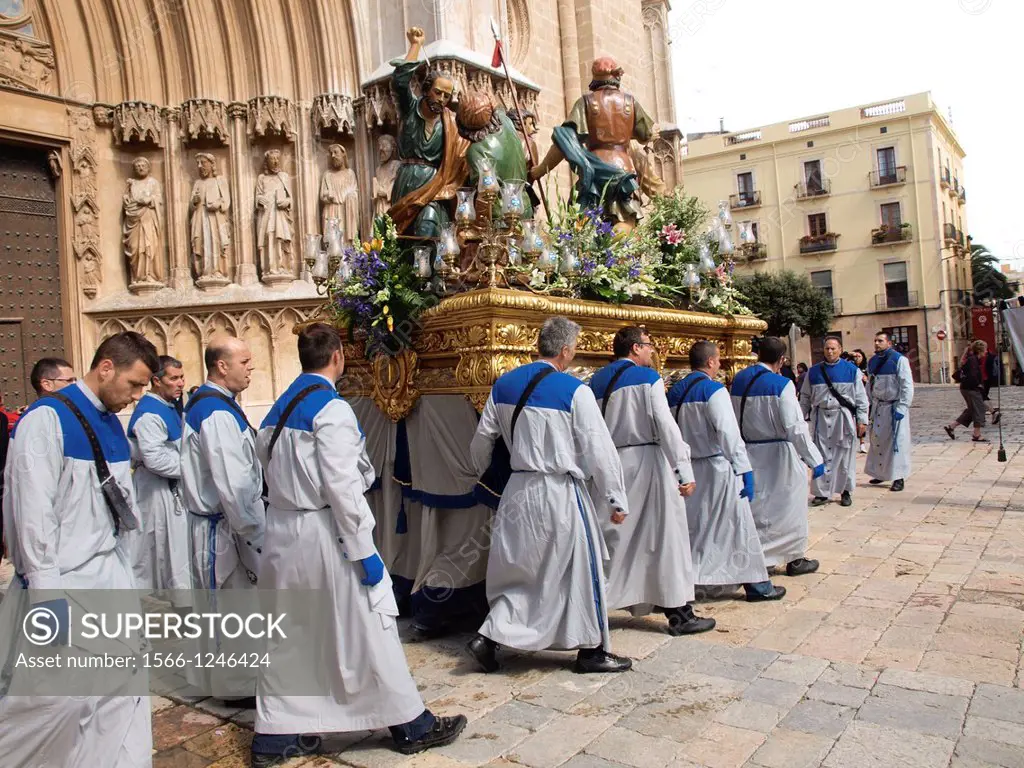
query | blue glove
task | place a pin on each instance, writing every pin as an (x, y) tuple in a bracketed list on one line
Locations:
[(41, 621), (748, 486), (373, 567), (819, 471), (896, 415)]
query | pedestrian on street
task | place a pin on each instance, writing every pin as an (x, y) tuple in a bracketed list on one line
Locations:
[(970, 377), (891, 390), (860, 359), (801, 374)]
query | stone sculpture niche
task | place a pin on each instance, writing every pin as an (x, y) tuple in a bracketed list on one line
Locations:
[(384, 179), (141, 231), (210, 226), (274, 221), (339, 195)]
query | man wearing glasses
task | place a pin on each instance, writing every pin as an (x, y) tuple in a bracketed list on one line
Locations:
[(51, 374)]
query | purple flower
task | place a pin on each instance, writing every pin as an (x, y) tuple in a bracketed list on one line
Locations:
[(634, 271), (587, 265), (609, 258), (604, 227), (565, 237)]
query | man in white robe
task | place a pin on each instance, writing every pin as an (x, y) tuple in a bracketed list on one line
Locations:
[(160, 556), (650, 565), (835, 402), (61, 535), (780, 449), (545, 576), (222, 484), (891, 389), (723, 537), (320, 537)]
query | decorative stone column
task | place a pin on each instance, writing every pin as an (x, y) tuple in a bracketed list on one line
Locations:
[(241, 195), (366, 164), (180, 276)]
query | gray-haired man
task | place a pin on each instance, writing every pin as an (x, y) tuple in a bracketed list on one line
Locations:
[(545, 581)]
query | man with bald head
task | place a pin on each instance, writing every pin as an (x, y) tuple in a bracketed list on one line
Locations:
[(222, 484)]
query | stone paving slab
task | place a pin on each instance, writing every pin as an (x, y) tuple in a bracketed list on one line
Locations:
[(904, 650)]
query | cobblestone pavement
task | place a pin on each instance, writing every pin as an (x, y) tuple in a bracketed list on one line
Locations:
[(903, 650)]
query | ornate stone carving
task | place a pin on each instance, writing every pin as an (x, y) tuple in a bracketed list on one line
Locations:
[(204, 119), (594, 341), (333, 111), (274, 221), (339, 195), (103, 115), (440, 379), (136, 122), (271, 115), (210, 232), (384, 179), (393, 390), (141, 231), (380, 105), (84, 207), (26, 64)]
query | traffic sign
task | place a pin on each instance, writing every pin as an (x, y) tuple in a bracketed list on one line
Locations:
[(941, 335)]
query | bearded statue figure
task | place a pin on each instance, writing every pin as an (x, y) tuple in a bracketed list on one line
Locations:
[(595, 140)]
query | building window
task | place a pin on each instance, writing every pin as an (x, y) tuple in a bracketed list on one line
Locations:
[(823, 281), (897, 290), (891, 217), (817, 224), (756, 231), (745, 188), (812, 177), (886, 165)]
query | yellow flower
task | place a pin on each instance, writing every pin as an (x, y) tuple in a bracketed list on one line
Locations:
[(376, 244), (391, 324), (387, 309), (366, 247)]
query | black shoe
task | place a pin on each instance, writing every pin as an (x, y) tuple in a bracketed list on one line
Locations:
[(875, 482), (683, 621), (897, 485), (777, 593), (308, 745), (445, 731), (801, 566), (950, 432), (845, 500), (819, 501), (598, 660), (484, 650), (249, 702)]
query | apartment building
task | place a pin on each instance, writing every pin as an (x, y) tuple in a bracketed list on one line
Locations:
[(870, 203)]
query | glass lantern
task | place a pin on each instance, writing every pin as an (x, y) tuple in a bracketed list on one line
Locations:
[(724, 216), (310, 251), (529, 240), (487, 185), (465, 207), (547, 260), (512, 204), (449, 242), (747, 233), (421, 258), (691, 277), (725, 246), (569, 260), (515, 252)]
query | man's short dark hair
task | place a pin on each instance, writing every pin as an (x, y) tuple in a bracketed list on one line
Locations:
[(46, 368), (125, 349), (832, 338), (166, 361), (625, 338), (317, 343), (702, 353), (213, 354), (884, 333), (772, 350)]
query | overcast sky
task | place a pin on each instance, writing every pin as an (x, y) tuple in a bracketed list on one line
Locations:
[(756, 62)]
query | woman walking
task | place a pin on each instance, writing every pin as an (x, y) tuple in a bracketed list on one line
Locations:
[(970, 376), (861, 361)]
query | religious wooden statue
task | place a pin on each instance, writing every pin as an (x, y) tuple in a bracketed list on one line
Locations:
[(274, 220), (432, 152), (141, 228), (210, 226), (384, 180), (526, 126), (595, 140), (339, 195)]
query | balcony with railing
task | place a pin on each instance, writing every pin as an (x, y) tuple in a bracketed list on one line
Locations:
[(837, 306), (949, 233), (816, 188), (896, 300), (961, 240), (751, 199), (754, 251), (945, 179), (887, 177), (825, 243), (889, 235), (962, 197)]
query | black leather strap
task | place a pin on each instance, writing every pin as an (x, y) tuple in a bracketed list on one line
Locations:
[(611, 387), (743, 400), (839, 398), (288, 412), (537, 379), (686, 391)]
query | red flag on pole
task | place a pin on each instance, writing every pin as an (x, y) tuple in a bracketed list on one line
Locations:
[(496, 58)]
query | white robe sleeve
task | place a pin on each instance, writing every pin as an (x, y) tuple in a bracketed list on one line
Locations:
[(155, 452), (487, 432), (906, 379), (860, 399), (670, 439), (722, 419), (220, 445), (805, 396), (598, 455), (339, 448), (34, 464), (796, 427)]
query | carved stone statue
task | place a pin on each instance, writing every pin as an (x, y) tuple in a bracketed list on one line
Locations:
[(384, 180), (595, 140), (210, 226), (141, 228), (339, 195), (429, 144), (274, 220)]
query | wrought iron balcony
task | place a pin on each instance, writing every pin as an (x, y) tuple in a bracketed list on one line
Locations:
[(819, 243), (949, 233), (750, 199), (963, 195), (754, 251), (886, 235), (815, 188), (896, 300), (944, 178), (837, 306), (886, 177), (960, 239)]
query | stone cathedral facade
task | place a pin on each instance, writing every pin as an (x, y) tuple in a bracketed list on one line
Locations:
[(161, 161)]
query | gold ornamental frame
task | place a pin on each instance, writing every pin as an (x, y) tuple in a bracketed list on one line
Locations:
[(465, 342)]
